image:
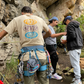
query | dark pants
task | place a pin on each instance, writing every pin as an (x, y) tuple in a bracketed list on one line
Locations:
[(53, 56)]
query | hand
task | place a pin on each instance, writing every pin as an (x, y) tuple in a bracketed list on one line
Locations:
[(64, 33), (64, 41)]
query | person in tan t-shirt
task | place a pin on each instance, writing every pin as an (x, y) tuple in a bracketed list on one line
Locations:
[(30, 29)]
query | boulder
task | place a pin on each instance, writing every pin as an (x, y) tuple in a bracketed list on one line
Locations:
[(15, 2), (70, 3), (10, 13), (2, 26), (64, 8), (2, 9), (40, 11), (58, 9), (82, 63), (47, 3)]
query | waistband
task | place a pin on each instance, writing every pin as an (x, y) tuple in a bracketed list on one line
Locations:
[(35, 48), (52, 45)]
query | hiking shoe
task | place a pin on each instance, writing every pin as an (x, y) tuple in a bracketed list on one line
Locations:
[(56, 76), (77, 82)]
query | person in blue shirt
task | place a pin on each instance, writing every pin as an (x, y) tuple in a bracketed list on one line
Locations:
[(51, 45)]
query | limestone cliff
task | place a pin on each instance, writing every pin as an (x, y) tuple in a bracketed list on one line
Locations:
[(43, 8)]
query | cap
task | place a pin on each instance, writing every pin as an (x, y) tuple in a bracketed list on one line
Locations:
[(68, 18), (53, 18)]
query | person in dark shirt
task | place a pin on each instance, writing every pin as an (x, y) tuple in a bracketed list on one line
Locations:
[(74, 44)]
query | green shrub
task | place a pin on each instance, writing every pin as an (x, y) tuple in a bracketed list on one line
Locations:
[(61, 28), (11, 68), (81, 20)]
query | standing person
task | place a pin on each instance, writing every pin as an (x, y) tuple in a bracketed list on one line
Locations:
[(51, 45), (30, 29), (74, 45)]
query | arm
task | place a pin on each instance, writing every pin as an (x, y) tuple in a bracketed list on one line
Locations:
[(2, 34), (59, 34), (46, 29), (64, 41), (70, 33), (47, 34), (9, 29)]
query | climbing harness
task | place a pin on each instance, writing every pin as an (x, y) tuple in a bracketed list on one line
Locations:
[(34, 49), (33, 64)]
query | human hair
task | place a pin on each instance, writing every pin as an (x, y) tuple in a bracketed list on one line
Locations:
[(64, 21), (26, 9), (51, 21), (70, 19)]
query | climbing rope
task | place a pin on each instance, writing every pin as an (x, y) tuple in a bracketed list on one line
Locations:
[(4, 78)]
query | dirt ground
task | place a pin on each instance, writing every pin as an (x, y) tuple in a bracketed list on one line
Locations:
[(63, 62)]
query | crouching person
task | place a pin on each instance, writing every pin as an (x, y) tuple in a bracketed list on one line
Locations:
[(30, 29)]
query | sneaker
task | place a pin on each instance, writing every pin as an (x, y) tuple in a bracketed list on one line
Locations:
[(56, 76), (77, 82)]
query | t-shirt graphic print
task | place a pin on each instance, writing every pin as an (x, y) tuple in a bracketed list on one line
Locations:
[(31, 28)]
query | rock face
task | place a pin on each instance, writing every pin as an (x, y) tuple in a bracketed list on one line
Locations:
[(47, 3), (45, 9), (82, 63), (10, 12), (65, 7), (2, 9), (40, 11)]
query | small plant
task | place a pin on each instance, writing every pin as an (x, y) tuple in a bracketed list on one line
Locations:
[(82, 53), (81, 20), (11, 68), (50, 14), (61, 28)]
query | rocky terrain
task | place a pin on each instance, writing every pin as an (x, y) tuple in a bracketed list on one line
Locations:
[(45, 9)]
